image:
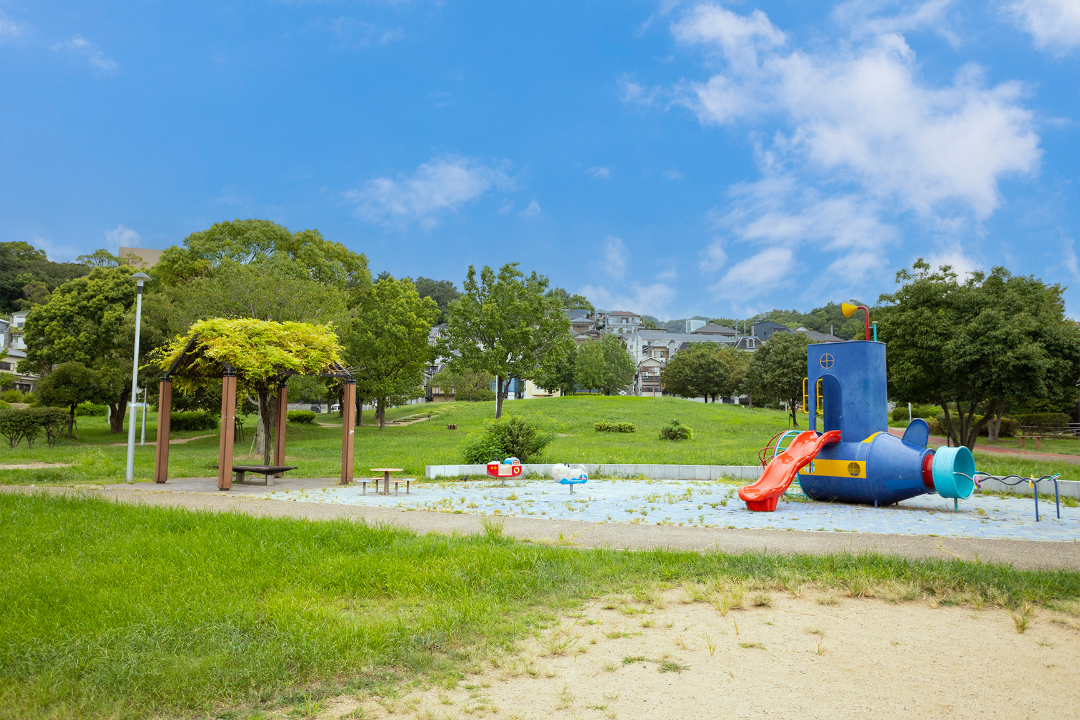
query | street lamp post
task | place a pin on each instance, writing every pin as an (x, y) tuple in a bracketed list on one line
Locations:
[(139, 279)]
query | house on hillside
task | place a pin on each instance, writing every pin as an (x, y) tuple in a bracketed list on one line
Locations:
[(816, 336), (619, 323), (13, 351), (714, 329), (765, 329)]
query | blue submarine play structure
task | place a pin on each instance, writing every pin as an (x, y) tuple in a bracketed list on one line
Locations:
[(854, 458)]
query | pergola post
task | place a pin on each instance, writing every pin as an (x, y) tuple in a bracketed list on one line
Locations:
[(279, 431), (228, 418), (348, 430), (164, 420)]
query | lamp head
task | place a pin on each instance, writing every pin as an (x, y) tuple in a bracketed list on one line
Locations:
[(140, 278), (848, 309)]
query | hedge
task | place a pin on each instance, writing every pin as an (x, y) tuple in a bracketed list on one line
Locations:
[(89, 409), (900, 412), (29, 423), (185, 421), (1009, 427), (304, 417), (1044, 422), (615, 427)]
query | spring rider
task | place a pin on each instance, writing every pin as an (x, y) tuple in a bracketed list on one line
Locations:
[(854, 458)]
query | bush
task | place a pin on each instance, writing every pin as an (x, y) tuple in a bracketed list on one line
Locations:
[(675, 430), (11, 396), (615, 427), (1044, 423), (500, 439), (89, 409), (1009, 427), (301, 417), (4, 405), (926, 412), (184, 421), (29, 424)]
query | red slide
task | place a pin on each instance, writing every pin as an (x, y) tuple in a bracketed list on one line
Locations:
[(763, 495)]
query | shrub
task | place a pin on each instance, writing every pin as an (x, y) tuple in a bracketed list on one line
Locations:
[(28, 423), (926, 412), (52, 420), (615, 427), (1044, 423), (302, 417), (1009, 427), (193, 421), (500, 439), (11, 396), (4, 405), (675, 430), (89, 409)]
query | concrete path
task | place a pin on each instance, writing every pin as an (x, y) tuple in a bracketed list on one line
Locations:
[(200, 494)]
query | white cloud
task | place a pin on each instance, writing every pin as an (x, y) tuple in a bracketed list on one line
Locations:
[(962, 264), (531, 211), (652, 299), (615, 257), (1068, 253), (632, 92), (122, 236), (673, 174), (440, 186), (756, 275), (880, 17), (353, 32), (10, 28), (1054, 24), (86, 51), (55, 252), (863, 115), (713, 258), (600, 172)]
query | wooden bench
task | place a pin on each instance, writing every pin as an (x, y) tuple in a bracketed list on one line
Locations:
[(267, 471), (1037, 438)]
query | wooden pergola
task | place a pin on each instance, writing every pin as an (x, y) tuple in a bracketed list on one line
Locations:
[(229, 378)]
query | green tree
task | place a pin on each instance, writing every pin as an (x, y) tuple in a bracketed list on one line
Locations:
[(504, 324), (605, 365), (558, 373), (974, 347), (85, 321), (67, 385), (704, 369), (255, 242), (568, 301), (8, 380), (387, 345), (22, 266), (776, 371), (443, 292), (464, 384)]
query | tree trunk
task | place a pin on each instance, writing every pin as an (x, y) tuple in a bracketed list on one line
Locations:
[(794, 414), (117, 412), (71, 421), (380, 411), (359, 412), (997, 409), (498, 396), (264, 433)]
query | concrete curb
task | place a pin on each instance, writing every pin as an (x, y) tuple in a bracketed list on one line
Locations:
[(655, 472), (1066, 488)]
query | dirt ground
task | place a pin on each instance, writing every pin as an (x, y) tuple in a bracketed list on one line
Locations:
[(797, 658)]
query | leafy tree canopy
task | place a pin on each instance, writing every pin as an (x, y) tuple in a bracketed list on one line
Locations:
[(387, 344), (975, 347), (464, 384), (777, 369), (568, 301), (443, 292), (23, 265), (69, 384), (247, 242), (605, 365), (706, 369), (505, 324)]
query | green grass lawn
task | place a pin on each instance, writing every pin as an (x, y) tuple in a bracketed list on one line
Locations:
[(723, 435), (121, 611)]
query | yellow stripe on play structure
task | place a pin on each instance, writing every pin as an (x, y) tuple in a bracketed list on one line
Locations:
[(837, 468), (871, 438)]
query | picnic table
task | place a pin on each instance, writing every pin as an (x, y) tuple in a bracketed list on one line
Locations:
[(267, 471), (386, 477)]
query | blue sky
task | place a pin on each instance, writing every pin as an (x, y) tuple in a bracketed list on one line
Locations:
[(664, 157)]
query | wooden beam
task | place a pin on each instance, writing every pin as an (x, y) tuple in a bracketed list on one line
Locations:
[(164, 420), (225, 445), (348, 431), (279, 434)]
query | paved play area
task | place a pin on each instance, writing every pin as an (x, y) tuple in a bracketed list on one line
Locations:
[(714, 505)]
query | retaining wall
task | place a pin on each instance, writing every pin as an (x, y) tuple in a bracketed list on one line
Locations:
[(1066, 488)]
